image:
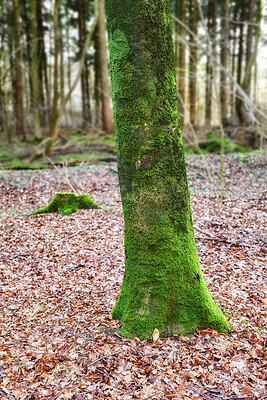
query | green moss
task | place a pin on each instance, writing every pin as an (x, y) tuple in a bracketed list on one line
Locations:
[(68, 203), (213, 144), (163, 286), (25, 166)]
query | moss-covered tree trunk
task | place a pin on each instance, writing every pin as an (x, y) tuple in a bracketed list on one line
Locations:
[(163, 286)]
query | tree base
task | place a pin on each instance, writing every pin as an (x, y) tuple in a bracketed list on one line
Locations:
[(68, 203)]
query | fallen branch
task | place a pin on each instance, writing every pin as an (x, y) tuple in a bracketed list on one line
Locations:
[(75, 380), (218, 239)]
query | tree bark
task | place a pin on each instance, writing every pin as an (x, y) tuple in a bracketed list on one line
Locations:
[(35, 80), (224, 60), (181, 63), (163, 286), (233, 58), (239, 102), (84, 75), (249, 49), (54, 117), (44, 88), (209, 70), (245, 84), (19, 102), (106, 106), (193, 10), (97, 82)]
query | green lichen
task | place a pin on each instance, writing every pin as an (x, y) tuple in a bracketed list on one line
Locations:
[(68, 203), (163, 286)]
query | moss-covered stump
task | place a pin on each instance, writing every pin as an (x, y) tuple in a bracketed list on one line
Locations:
[(68, 203)]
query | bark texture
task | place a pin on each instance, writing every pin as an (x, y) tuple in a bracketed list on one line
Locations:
[(35, 81), (224, 60), (193, 16), (107, 115), (181, 62), (163, 286), (19, 103)]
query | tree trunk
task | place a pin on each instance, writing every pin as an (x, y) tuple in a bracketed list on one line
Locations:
[(19, 106), (97, 83), (84, 75), (27, 54), (250, 61), (40, 50), (193, 10), (44, 89), (163, 286), (54, 117), (233, 59), (35, 80), (209, 69), (181, 63), (239, 102), (250, 42), (224, 60), (107, 114)]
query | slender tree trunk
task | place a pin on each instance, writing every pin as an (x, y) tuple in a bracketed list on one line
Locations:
[(35, 80), (44, 87), (19, 106), (68, 112), (13, 79), (249, 49), (62, 69), (41, 61), (107, 114), (181, 63), (193, 7), (239, 102), (251, 58), (209, 70), (97, 83), (27, 53), (54, 117), (3, 124), (233, 59), (224, 60), (84, 75), (163, 286)]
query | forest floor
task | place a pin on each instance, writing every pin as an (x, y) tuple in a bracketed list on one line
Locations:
[(60, 277)]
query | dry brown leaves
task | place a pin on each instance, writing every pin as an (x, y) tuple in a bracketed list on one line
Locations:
[(60, 277)]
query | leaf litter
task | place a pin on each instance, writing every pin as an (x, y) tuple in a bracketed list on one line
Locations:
[(61, 275)]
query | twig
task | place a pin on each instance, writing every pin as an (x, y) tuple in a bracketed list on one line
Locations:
[(219, 396), (204, 233), (217, 239), (76, 233), (102, 358), (76, 328), (238, 398), (75, 380), (202, 394), (223, 240)]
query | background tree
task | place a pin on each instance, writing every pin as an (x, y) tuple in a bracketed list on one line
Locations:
[(35, 67), (163, 286), (211, 29), (19, 99), (181, 61), (193, 18), (224, 59), (107, 115), (229, 62)]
